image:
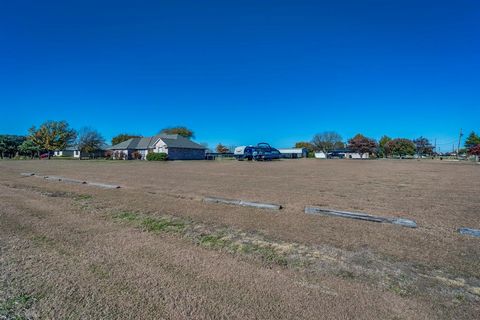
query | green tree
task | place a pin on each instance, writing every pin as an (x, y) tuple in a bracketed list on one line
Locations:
[(362, 145), (4, 142), (3, 146), (123, 137), (9, 145), (28, 147), (89, 140), (472, 140), (307, 145), (400, 147), (182, 131), (327, 141), (52, 135), (381, 146)]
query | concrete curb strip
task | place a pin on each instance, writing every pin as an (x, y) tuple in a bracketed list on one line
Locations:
[(469, 231), (242, 203), (360, 216), (27, 174), (103, 185), (68, 180)]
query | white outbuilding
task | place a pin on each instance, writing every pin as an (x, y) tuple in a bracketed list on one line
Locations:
[(320, 155), (293, 153)]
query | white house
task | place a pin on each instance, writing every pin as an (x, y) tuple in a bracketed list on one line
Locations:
[(174, 145), (356, 155), (67, 152), (341, 154), (74, 151)]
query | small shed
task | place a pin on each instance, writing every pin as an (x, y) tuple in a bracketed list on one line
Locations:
[(74, 151), (320, 155)]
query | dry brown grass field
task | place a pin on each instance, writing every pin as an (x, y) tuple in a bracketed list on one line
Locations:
[(153, 250)]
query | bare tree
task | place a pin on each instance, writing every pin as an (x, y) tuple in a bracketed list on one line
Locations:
[(423, 146), (89, 140), (327, 141)]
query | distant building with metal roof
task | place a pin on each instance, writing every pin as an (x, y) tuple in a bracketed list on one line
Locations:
[(293, 153)]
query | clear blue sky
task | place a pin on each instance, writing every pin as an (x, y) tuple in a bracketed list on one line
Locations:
[(240, 72)]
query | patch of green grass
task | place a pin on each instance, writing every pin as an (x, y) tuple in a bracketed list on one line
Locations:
[(162, 224), (270, 255), (41, 239), (402, 292), (215, 240), (152, 224), (346, 274), (82, 197), (127, 216), (212, 239), (267, 253), (400, 286), (99, 271), (460, 298), (14, 308)]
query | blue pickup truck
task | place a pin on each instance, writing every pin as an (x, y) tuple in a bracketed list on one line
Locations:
[(260, 152)]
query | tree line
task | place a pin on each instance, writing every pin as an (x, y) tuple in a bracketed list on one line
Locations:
[(385, 147), (58, 135)]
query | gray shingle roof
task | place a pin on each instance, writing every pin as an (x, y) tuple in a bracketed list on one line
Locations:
[(171, 140), (124, 144)]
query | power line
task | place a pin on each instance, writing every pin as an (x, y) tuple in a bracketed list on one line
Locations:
[(447, 141)]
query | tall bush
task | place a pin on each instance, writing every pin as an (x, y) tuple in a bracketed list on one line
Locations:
[(153, 156)]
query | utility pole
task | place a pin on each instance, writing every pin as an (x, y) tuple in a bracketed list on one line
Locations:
[(435, 148), (459, 140)]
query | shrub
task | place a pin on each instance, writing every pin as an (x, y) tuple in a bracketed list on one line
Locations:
[(152, 156)]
